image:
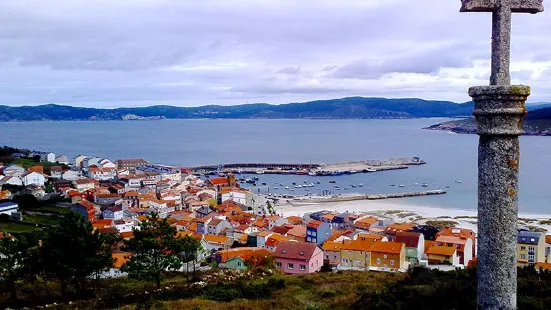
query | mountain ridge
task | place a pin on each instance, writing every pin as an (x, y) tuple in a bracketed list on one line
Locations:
[(343, 108)]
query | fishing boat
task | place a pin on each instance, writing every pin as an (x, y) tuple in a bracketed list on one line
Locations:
[(424, 185), (332, 181), (371, 170), (263, 183), (305, 181), (255, 178), (458, 181), (391, 184), (353, 186), (250, 181), (294, 183), (360, 185), (401, 185), (318, 182), (280, 184)]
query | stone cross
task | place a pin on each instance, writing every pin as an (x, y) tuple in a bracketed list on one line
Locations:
[(501, 30), (499, 111)]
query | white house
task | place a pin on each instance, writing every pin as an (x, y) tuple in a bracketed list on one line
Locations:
[(56, 172), (13, 170), (275, 220), (216, 226), (79, 159), (102, 174), (261, 238), (113, 213), (71, 175), (84, 185), (119, 259), (239, 196), (44, 156), (124, 225), (31, 177), (106, 163), (11, 180), (8, 208), (62, 159)]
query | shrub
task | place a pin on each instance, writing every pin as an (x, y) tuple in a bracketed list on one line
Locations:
[(328, 293)]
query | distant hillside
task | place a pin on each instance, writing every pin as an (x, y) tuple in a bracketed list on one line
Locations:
[(536, 123), (353, 107)]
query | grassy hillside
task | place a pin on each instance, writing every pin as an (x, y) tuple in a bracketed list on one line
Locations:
[(419, 289)]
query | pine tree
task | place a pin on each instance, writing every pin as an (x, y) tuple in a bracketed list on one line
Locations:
[(16, 254), (153, 249), (73, 251)]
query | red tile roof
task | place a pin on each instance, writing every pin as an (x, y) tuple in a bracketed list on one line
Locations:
[(295, 250), (218, 181), (411, 239)]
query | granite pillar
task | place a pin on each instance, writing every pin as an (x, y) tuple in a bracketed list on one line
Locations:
[(499, 111)]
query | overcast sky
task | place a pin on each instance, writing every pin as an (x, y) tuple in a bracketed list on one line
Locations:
[(111, 53)]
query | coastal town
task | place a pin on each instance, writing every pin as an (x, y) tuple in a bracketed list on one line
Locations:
[(233, 224)]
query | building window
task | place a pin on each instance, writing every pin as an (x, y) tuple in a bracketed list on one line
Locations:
[(378, 261), (239, 264), (290, 266), (314, 233), (278, 264), (302, 267), (326, 256), (391, 262), (523, 248), (459, 246), (522, 256), (309, 232), (384, 256)]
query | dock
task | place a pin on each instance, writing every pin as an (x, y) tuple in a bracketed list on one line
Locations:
[(373, 196), (361, 166)]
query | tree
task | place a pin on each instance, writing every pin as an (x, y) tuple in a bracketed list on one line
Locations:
[(36, 158), (153, 249), (72, 251), (189, 250), (27, 201), (15, 256)]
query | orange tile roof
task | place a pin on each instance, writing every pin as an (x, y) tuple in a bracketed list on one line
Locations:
[(131, 193), (218, 181), (294, 220), (216, 239), (545, 266), (358, 245), (120, 258), (451, 239), (368, 220), (298, 231), (548, 239), (400, 226), (313, 224), (243, 237), (264, 233), (428, 244), (387, 247), (127, 234), (373, 237), (441, 250), (328, 216), (332, 246)]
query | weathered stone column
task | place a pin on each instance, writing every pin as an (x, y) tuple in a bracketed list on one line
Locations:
[(499, 111)]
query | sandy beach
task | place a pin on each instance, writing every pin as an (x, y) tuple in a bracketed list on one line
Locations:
[(401, 211)]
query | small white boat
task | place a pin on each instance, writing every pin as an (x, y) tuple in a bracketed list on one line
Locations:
[(298, 186), (312, 173), (280, 184), (276, 187), (260, 172), (371, 170), (447, 186), (416, 184), (353, 171), (286, 187), (458, 181), (401, 185), (424, 185), (360, 185), (305, 181)]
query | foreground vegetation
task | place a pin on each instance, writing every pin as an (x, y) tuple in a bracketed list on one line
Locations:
[(266, 289)]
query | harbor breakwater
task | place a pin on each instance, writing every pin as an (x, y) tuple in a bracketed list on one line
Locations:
[(316, 168), (370, 196)]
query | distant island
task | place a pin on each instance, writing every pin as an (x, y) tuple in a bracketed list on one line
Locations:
[(536, 123), (345, 108)]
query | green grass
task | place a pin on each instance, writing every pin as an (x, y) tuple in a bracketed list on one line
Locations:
[(441, 223), (25, 163), (53, 209), (42, 219), (16, 227)]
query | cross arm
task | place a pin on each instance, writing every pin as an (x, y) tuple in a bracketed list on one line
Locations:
[(517, 6)]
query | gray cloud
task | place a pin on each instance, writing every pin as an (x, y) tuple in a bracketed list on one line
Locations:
[(139, 52)]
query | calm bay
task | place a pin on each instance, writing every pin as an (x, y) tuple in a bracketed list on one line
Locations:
[(450, 157)]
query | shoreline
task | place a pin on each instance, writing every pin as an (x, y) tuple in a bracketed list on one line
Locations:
[(401, 211)]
